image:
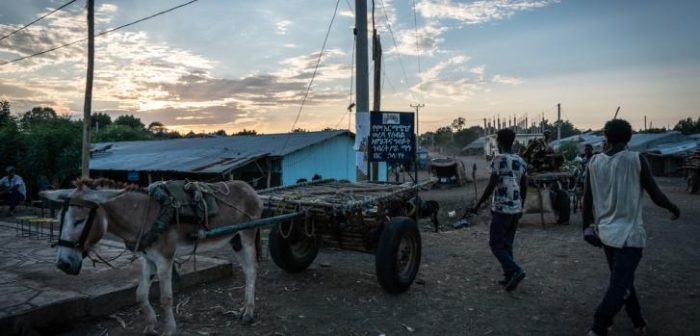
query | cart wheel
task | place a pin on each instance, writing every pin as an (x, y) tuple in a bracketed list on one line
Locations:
[(398, 255), (294, 253)]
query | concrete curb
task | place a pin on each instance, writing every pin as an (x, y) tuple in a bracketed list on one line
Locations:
[(98, 296)]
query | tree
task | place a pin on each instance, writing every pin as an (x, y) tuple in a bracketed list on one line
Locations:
[(129, 120), (688, 126), (443, 136), (246, 132), (119, 132), (100, 120), (156, 127), (299, 130), (569, 150), (4, 111), (567, 129), (37, 115), (458, 123), (466, 136), (220, 132)]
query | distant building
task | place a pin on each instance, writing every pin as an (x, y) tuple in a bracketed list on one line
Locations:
[(261, 160), (521, 140)]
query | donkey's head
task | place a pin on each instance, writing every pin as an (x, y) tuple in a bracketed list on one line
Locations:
[(83, 223)]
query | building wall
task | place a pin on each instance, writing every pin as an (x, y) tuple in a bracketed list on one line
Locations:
[(334, 158)]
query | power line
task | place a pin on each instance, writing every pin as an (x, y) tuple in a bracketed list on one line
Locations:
[(37, 20), (349, 6), (393, 38), (415, 27), (313, 75), (105, 32)]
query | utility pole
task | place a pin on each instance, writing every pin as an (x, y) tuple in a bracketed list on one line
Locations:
[(362, 91), (377, 58), (415, 164), (88, 89), (558, 121), (645, 123)]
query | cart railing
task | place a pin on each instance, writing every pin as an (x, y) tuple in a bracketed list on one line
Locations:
[(333, 195)]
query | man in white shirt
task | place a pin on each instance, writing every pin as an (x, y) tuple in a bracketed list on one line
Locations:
[(12, 189), (612, 219), (508, 184)]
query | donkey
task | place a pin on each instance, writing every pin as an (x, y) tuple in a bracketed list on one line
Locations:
[(98, 206)]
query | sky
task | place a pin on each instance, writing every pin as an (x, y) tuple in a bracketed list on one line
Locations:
[(234, 65)]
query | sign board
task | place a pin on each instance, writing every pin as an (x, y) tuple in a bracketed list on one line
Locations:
[(392, 137), (132, 176)]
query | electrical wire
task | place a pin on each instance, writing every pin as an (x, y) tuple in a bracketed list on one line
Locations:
[(313, 75), (415, 27), (105, 32), (396, 45), (37, 20)]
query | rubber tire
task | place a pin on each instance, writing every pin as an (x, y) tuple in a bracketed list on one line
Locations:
[(386, 255), (283, 254)]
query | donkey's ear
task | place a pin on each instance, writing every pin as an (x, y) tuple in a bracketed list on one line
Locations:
[(100, 196), (58, 195)]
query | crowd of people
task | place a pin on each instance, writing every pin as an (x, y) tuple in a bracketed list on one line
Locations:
[(614, 182)]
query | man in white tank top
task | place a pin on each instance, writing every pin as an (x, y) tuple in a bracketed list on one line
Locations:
[(612, 218)]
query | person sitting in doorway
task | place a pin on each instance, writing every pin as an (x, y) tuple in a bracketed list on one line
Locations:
[(12, 189)]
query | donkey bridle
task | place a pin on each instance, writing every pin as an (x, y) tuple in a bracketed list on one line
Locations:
[(86, 229)]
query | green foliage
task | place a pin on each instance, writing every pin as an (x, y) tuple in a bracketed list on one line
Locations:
[(299, 130), (567, 129), (44, 146), (156, 127), (458, 124), (688, 126), (466, 136), (246, 132), (443, 136), (130, 121), (120, 132), (100, 119), (5, 115), (569, 150), (37, 115), (220, 133)]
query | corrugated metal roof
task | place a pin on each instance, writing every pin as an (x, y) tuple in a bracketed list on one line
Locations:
[(201, 155), (639, 140), (673, 149)]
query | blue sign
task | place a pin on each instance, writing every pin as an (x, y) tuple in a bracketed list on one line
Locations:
[(392, 137), (132, 176)]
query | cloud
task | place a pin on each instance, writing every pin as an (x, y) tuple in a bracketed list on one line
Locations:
[(453, 80), (503, 79), (423, 41), (282, 27), (479, 11)]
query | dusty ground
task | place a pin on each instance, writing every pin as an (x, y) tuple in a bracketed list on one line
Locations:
[(457, 292)]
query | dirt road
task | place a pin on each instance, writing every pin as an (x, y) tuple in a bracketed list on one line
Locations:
[(456, 292)]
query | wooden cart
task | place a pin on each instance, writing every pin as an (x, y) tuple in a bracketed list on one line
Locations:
[(365, 217)]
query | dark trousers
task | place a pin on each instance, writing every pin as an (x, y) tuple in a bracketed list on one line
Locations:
[(501, 236), (12, 198), (622, 263)]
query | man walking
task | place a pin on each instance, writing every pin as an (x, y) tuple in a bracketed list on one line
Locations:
[(612, 218), (12, 189), (509, 180)]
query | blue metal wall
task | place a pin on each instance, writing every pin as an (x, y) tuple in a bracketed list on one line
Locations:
[(334, 158)]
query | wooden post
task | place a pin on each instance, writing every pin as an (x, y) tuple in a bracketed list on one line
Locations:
[(558, 121), (269, 172), (88, 89)]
